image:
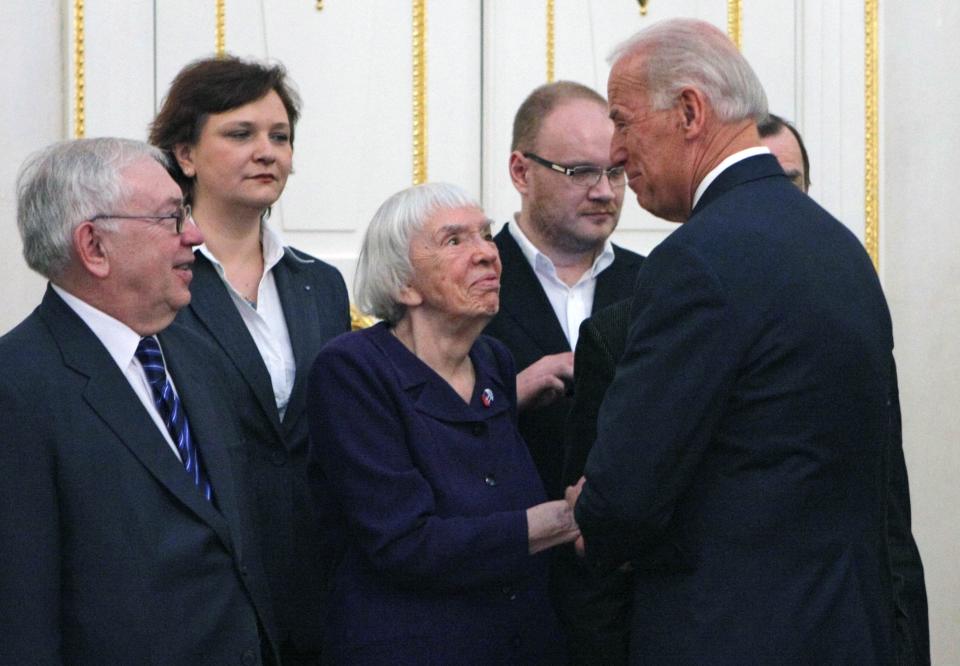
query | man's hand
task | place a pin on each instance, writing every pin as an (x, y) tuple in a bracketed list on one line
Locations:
[(571, 495), (545, 381)]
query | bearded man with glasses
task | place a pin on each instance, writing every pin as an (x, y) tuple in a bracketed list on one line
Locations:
[(559, 266)]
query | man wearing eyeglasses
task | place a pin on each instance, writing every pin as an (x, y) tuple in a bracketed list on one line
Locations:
[(120, 518), (559, 266)]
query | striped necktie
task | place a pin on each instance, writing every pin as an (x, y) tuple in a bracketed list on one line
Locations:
[(168, 406)]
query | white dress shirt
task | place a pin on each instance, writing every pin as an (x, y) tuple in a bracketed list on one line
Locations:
[(265, 320), (121, 343), (571, 304), (723, 166)]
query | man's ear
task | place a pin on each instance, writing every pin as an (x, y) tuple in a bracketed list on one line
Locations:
[(88, 246), (183, 153), (693, 110), (519, 171)]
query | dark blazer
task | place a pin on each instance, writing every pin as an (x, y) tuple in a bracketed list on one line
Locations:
[(434, 494), (740, 458), (109, 554), (528, 326), (298, 546)]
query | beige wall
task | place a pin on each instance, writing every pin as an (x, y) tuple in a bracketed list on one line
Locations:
[(920, 232)]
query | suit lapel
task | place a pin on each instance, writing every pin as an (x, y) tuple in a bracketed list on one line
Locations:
[(299, 304), (212, 305), (523, 300), (616, 280), (744, 171), (109, 395)]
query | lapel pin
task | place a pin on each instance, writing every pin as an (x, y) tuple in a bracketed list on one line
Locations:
[(486, 397)]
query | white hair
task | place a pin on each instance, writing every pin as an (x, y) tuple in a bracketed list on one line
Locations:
[(681, 53), (66, 183), (384, 266)]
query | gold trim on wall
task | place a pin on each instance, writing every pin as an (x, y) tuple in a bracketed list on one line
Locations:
[(550, 41), (871, 162), (79, 72), (220, 39), (419, 92), (734, 21)]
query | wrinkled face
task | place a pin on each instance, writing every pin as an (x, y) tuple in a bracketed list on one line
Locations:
[(150, 264), (568, 216), (785, 148), (650, 145), (456, 266), (243, 156)]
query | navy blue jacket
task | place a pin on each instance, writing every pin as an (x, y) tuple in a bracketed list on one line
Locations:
[(527, 325), (109, 554), (433, 493), (297, 543), (741, 452)]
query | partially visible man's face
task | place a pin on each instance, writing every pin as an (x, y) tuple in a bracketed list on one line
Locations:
[(571, 217), (150, 264), (649, 143), (785, 148)]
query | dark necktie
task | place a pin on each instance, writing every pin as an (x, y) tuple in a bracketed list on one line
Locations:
[(168, 405)]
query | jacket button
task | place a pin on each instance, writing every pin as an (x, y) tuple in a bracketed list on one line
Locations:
[(278, 458), (249, 657), (490, 480)]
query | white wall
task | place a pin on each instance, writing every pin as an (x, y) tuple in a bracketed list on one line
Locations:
[(920, 237)]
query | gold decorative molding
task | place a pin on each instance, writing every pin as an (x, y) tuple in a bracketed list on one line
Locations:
[(360, 319), (419, 92), (319, 5), (79, 72), (550, 41), (871, 162), (734, 21), (643, 6), (220, 39)]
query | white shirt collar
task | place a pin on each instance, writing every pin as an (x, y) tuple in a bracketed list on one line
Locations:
[(538, 260), (119, 339), (725, 164), (272, 249)]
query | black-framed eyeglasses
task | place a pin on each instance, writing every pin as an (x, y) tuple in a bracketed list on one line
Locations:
[(584, 175), (179, 217)]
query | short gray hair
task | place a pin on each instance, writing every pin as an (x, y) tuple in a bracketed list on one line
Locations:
[(384, 266), (66, 183), (681, 53)]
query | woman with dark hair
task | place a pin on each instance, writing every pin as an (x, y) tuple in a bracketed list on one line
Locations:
[(229, 125), (415, 430)]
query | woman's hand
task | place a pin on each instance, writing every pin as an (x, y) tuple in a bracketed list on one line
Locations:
[(550, 524)]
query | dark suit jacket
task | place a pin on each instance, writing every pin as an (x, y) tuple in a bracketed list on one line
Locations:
[(528, 326), (434, 493), (740, 459), (298, 545), (109, 554)]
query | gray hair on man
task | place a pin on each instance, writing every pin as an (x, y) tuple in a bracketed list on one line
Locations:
[(66, 183), (689, 53), (384, 267)]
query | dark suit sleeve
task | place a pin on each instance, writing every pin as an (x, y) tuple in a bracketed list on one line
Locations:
[(29, 533), (910, 596), (677, 369), (594, 370), (360, 440)]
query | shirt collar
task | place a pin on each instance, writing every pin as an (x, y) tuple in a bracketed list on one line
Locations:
[(538, 260), (725, 164), (272, 249), (119, 339)]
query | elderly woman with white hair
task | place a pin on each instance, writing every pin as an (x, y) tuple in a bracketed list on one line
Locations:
[(414, 428)]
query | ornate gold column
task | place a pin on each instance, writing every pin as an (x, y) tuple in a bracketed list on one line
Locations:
[(734, 21), (220, 40), (550, 41), (79, 72), (871, 162), (419, 92)]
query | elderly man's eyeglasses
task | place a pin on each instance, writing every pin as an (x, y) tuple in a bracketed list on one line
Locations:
[(179, 217), (585, 176)]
